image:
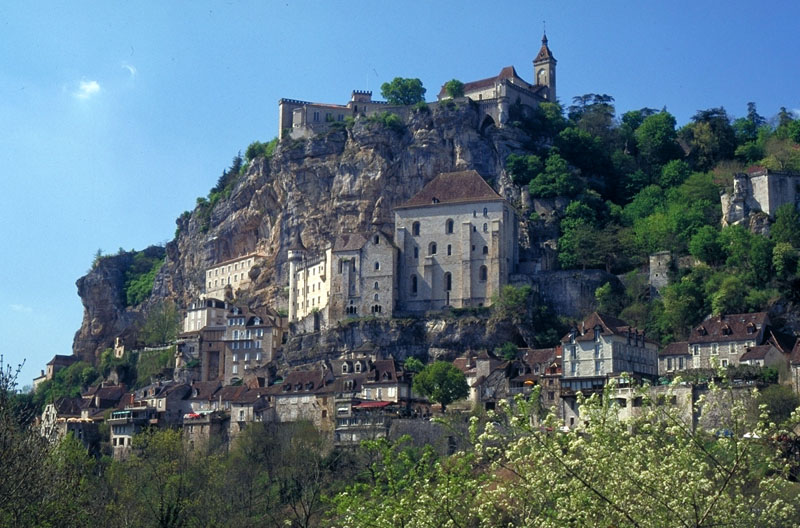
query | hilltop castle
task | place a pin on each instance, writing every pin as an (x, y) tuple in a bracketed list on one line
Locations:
[(495, 96), (454, 244)]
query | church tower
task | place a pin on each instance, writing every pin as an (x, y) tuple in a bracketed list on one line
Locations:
[(296, 256), (544, 70)]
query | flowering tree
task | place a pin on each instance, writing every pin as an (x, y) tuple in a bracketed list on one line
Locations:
[(650, 470)]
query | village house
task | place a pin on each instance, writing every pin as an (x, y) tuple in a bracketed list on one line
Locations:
[(125, 423), (305, 395), (251, 339), (719, 340), (602, 347)]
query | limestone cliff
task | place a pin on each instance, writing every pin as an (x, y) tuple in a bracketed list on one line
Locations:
[(344, 180)]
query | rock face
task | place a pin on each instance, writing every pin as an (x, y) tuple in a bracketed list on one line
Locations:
[(105, 316), (343, 180), (440, 337)]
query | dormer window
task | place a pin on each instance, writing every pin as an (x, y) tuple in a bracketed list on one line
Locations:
[(298, 386), (345, 368), (358, 366)]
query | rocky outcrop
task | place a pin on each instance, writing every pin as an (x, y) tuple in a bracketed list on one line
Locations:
[(442, 337), (570, 293), (102, 292), (346, 179)]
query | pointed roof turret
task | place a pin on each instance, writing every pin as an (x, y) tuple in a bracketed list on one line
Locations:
[(297, 243), (544, 53)]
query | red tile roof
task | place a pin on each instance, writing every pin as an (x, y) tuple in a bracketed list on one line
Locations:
[(454, 187), (756, 352)]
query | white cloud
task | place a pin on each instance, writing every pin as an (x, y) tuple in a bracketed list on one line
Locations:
[(131, 69), (87, 89), (21, 308)]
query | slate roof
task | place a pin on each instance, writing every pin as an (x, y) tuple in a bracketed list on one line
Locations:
[(680, 348), (544, 51), (756, 352), (296, 244), (453, 187), (734, 327), (67, 406), (204, 390), (538, 356), (60, 359), (350, 241), (794, 358), (609, 325), (302, 382)]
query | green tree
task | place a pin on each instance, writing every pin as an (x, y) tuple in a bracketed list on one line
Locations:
[(781, 401), (511, 304), (523, 168), (402, 91), (413, 365), (705, 246), (656, 141), (787, 225), (442, 382), (257, 149), (161, 324), (556, 179), (784, 260), (454, 88), (710, 138), (507, 351), (674, 173)]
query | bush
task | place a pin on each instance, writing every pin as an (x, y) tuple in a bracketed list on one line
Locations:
[(139, 278), (388, 120)]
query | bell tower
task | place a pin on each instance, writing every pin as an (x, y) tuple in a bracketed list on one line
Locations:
[(544, 70)]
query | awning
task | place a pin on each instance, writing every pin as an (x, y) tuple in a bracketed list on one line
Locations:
[(372, 405)]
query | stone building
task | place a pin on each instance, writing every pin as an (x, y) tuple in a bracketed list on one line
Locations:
[(600, 348), (251, 340), (759, 189), (303, 118), (233, 273), (458, 243), (723, 339), (355, 276)]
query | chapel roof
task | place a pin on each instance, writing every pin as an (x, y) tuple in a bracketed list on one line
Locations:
[(544, 51), (453, 187)]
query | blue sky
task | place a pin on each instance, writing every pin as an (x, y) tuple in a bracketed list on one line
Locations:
[(115, 116)]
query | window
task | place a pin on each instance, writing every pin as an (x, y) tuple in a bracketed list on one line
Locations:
[(485, 211), (483, 273), (376, 297), (669, 363), (714, 349), (448, 282), (449, 249), (432, 248), (485, 228), (695, 350), (416, 252), (448, 226), (474, 214), (235, 369), (377, 266), (724, 362), (415, 229), (377, 240), (344, 368), (316, 116), (376, 285), (235, 356), (732, 348), (680, 363), (413, 285), (485, 250)]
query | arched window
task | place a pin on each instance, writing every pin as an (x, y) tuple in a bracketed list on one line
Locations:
[(432, 248), (448, 226), (485, 211), (448, 281), (376, 297), (413, 285), (415, 229), (485, 228), (483, 273), (376, 285), (377, 266), (344, 368), (377, 240), (485, 250), (449, 249)]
